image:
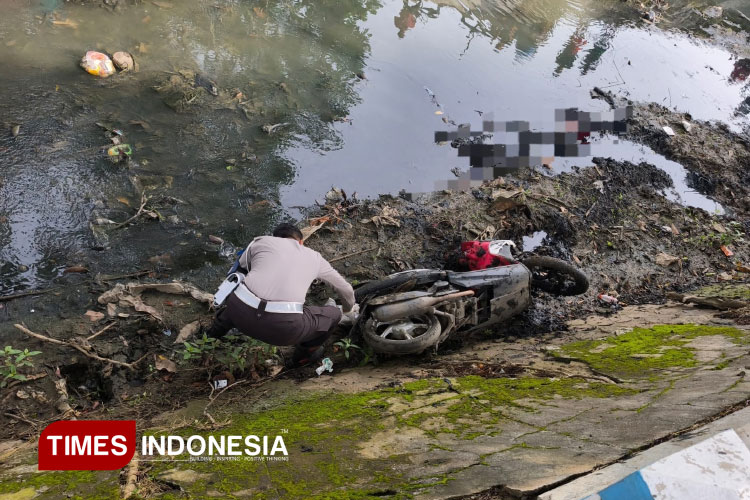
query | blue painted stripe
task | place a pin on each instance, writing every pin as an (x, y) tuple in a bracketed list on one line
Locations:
[(632, 487)]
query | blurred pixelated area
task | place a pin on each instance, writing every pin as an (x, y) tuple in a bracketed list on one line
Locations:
[(504, 146)]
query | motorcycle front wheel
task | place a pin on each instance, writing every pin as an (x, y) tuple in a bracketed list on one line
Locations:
[(410, 335), (556, 276)]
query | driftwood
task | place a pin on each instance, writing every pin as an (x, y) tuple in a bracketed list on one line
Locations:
[(713, 302), (130, 295)]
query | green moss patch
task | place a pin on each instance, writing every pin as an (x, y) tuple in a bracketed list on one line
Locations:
[(323, 433), (643, 351), (727, 291), (102, 485), (476, 408)]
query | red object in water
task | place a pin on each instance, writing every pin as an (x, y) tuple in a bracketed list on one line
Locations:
[(476, 255)]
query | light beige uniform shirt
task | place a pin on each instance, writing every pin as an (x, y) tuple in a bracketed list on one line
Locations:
[(282, 270)]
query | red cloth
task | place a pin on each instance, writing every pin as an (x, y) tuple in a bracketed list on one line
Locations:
[(476, 255)]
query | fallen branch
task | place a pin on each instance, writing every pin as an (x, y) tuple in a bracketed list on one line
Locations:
[(131, 479), (212, 398), (6, 298), (21, 419), (144, 200), (352, 254), (548, 200), (590, 208), (130, 366), (112, 277), (91, 337)]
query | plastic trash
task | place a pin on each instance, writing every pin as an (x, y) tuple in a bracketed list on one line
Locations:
[(98, 64), (325, 366), (221, 383), (607, 299), (119, 152)]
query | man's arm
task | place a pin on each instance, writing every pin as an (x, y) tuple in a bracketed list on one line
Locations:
[(245, 257), (346, 293)]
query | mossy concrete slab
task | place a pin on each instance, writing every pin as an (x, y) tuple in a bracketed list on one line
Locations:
[(527, 469), (437, 437), (24, 494)]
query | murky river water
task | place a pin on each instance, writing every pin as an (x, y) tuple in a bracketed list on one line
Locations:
[(353, 83)]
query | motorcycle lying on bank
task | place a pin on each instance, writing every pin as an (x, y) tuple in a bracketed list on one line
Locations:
[(411, 311)]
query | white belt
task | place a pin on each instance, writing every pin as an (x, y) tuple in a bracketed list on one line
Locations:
[(254, 301)]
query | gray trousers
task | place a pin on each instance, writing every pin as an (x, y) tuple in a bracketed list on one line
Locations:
[(311, 328)]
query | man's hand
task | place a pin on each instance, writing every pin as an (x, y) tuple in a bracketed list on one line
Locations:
[(350, 316)]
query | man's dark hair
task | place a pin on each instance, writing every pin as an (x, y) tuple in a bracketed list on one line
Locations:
[(286, 230)]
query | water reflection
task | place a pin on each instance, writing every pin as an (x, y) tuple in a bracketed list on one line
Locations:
[(292, 62)]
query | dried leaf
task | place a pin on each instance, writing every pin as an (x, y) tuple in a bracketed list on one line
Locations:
[(274, 370), (123, 200), (187, 331), (505, 193), (388, 217), (666, 260), (39, 396), (259, 204), (163, 363), (310, 230), (502, 204), (94, 316), (319, 220)]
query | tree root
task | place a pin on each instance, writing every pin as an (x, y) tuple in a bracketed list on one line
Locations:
[(131, 478), (83, 350)]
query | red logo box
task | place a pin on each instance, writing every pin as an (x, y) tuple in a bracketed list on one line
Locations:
[(87, 445)]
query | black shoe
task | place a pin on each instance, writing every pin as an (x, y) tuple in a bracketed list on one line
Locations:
[(305, 355), (217, 330)]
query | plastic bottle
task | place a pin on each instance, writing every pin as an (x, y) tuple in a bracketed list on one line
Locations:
[(608, 299)]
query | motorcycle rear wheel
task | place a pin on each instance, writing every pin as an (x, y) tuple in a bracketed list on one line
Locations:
[(556, 276), (405, 336)]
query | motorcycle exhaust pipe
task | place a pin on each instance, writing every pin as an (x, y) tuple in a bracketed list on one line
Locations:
[(420, 305)]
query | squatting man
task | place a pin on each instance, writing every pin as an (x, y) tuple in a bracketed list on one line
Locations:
[(268, 303)]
